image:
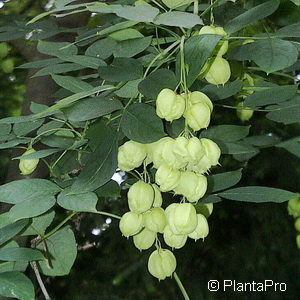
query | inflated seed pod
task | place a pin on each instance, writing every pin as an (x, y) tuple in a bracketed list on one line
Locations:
[(181, 217), (27, 166), (201, 230), (144, 240), (195, 150), (131, 223), (140, 196), (199, 97), (218, 72), (162, 263), (244, 113), (176, 241), (131, 155), (192, 186), (294, 207), (198, 116), (167, 178), (155, 219), (212, 151), (297, 224), (157, 196)]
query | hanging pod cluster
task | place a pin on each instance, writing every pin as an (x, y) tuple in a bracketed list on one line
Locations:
[(181, 164), (294, 210), (217, 69)]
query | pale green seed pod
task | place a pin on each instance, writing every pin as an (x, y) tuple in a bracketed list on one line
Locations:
[(199, 97), (157, 151), (181, 217), (198, 116), (180, 149), (157, 196), (201, 230), (168, 155), (167, 178), (195, 150), (212, 151), (144, 240), (244, 114), (201, 167), (192, 186), (298, 241), (176, 3), (176, 241), (155, 219), (162, 263), (169, 105), (27, 166), (222, 46), (219, 71), (294, 207), (297, 224), (140, 196), (131, 223), (8, 65), (4, 50), (131, 155)]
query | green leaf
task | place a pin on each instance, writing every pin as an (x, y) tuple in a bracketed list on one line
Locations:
[(9, 231), (122, 69), (92, 108), (292, 145), (103, 48), (210, 199), (21, 129), (20, 254), (39, 154), (226, 133), (223, 181), (83, 202), (16, 285), (109, 189), (136, 13), (31, 208), (252, 15), (73, 98), (236, 148), (271, 95), (197, 50), (31, 189), (39, 224), (10, 266), (265, 140), (50, 127), (156, 81), (219, 92), (85, 61), (178, 19), (72, 84), (101, 164), (297, 2), (287, 112), (129, 90), (56, 49), (131, 47), (58, 69), (273, 54), (40, 63), (126, 34), (292, 30), (258, 194), (62, 252), (141, 124), (5, 129)]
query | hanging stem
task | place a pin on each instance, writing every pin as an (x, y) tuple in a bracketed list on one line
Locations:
[(209, 8), (196, 7), (107, 214), (39, 279), (181, 287)]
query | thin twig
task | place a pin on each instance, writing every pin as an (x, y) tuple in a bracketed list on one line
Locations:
[(181, 287), (40, 281)]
